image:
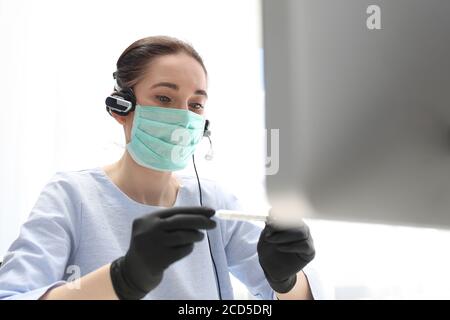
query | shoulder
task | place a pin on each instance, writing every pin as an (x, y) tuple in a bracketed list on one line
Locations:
[(70, 183), (59, 205), (64, 196), (75, 177)]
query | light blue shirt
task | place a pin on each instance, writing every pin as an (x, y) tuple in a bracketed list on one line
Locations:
[(82, 221)]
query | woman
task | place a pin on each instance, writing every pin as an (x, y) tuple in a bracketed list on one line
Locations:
[(134, 229)]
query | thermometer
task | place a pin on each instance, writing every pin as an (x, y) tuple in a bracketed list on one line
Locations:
[(238, 215)]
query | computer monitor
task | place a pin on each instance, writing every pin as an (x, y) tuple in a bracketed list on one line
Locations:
[(360, 93)]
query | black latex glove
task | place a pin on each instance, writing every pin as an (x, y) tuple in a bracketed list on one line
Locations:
[(158, 239), (283, 253)]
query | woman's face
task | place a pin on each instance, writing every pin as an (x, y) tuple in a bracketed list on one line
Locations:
[(170, 81)]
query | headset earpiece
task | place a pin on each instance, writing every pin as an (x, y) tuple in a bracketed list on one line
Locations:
[(121, 102)]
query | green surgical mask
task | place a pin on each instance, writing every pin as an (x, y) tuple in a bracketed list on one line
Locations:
[(164, 138)]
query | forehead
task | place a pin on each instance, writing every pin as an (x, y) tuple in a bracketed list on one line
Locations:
[(180, 69)]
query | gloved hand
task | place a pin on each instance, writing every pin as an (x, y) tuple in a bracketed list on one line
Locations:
[(283, 253), (158, 239)]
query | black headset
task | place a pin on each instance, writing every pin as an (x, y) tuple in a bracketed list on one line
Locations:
[(123, 101)]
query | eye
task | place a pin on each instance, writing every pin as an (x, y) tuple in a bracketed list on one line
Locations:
[(163, 99), (196, 106)]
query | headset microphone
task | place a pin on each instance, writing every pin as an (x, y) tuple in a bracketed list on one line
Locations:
[(207, 133)]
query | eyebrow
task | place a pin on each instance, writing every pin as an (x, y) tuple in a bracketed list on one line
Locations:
[(175, 87)]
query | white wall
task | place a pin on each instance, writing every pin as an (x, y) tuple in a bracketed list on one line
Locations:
[(374, 261)]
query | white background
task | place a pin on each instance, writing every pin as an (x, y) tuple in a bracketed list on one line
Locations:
[(56, 62)]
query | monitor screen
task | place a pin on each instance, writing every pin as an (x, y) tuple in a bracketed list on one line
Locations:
[(360, 93)]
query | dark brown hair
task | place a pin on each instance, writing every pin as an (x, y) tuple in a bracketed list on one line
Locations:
[(132, 62)]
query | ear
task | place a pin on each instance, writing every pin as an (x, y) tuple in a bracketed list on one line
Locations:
[(120, 119)]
